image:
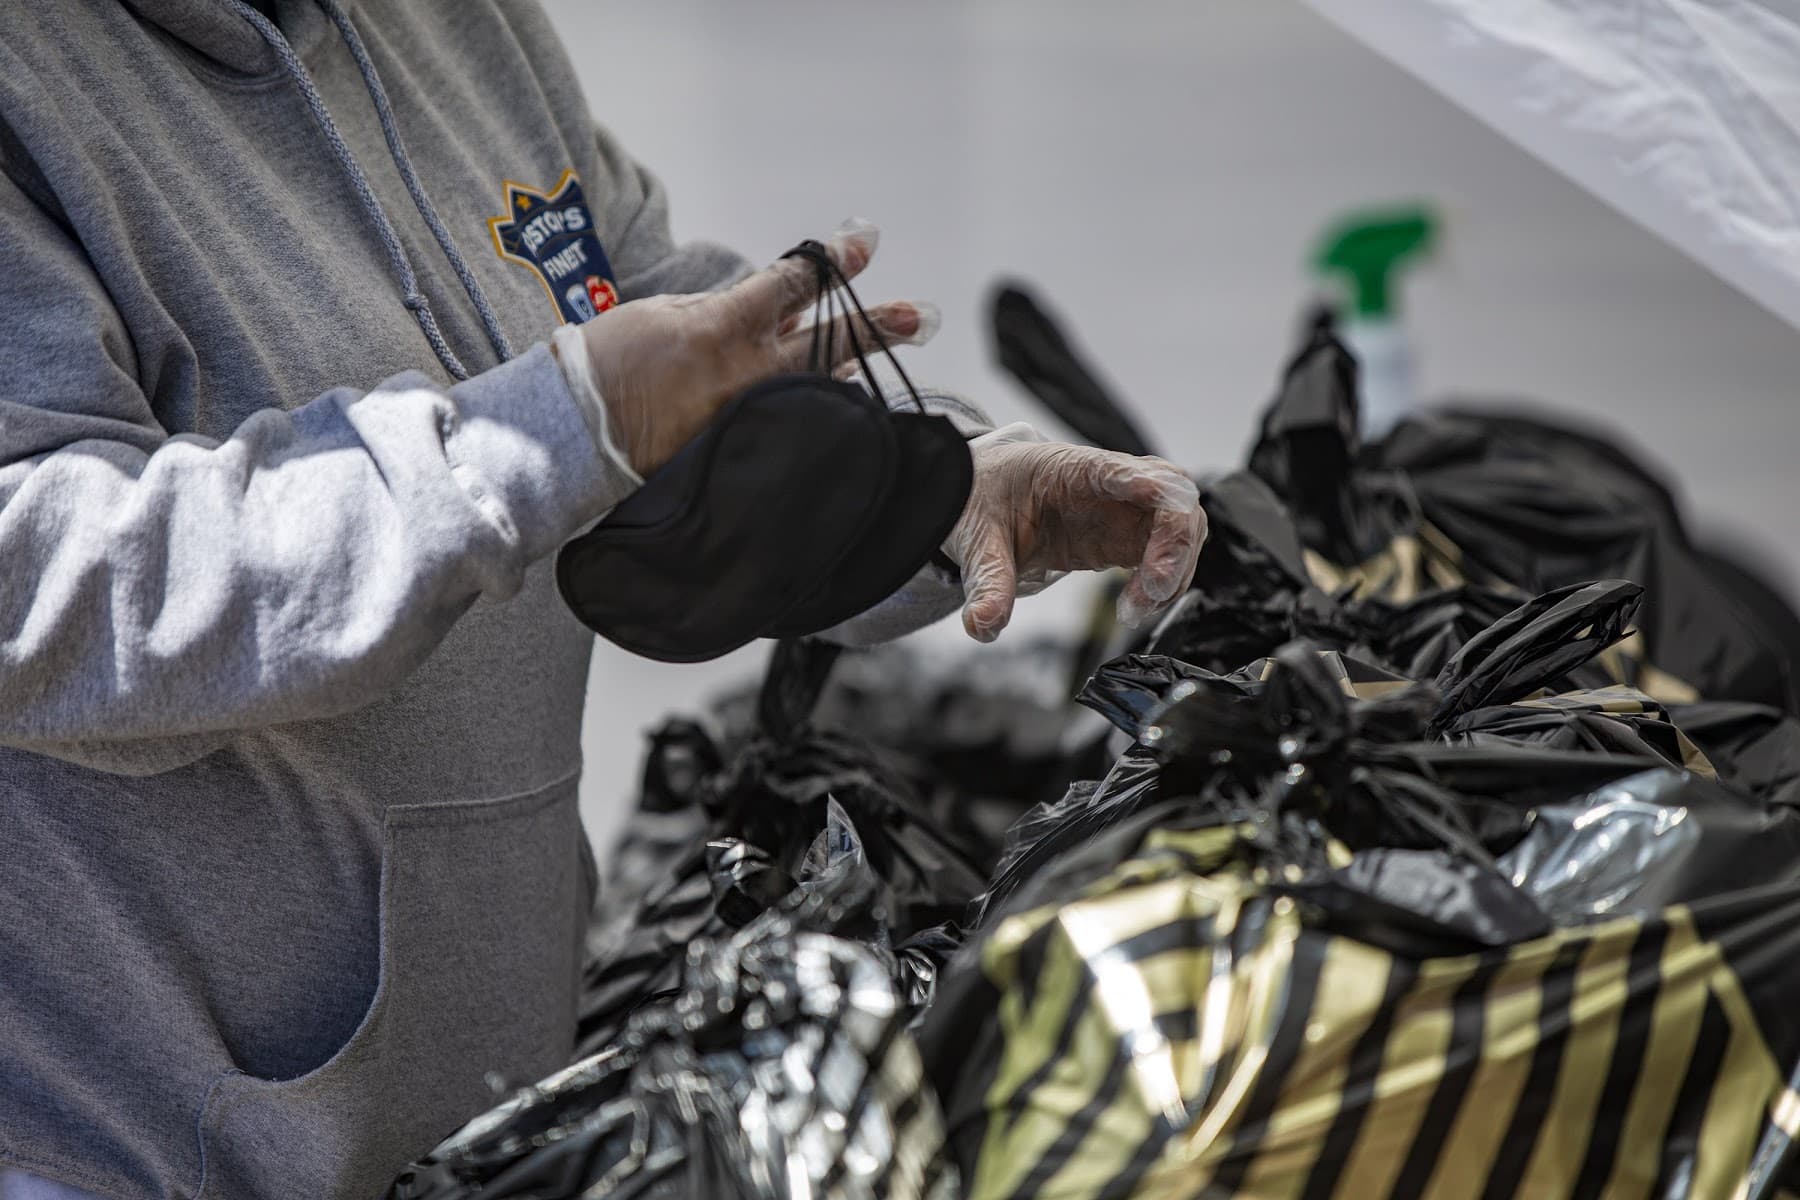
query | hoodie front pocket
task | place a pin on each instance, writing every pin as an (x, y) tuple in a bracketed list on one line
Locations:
[(480, 905)]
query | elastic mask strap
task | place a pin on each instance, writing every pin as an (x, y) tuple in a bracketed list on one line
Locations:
[(828, 308)]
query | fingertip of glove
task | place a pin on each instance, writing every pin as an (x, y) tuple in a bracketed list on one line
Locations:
[(1133, 613), (858, 235), (985, 617), (979, 632), (931, 319)]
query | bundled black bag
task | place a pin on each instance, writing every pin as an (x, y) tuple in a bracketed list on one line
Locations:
[(753, 811), (1454, 497), (1312, 862), (777, 1067), (1035, 350), (1186, 1011)]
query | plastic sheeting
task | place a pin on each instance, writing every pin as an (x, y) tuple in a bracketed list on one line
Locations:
[(1683, 114)]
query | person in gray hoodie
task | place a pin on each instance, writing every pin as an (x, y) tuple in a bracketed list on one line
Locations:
[(321, 326)]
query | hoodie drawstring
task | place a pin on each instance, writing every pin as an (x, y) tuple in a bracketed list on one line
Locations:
[(403, 161), (396, 253)]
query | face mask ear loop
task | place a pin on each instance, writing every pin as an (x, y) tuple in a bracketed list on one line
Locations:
[(819, 350), (829, 311), (831, 279), (816, 354), (880, 342), (856, 347)]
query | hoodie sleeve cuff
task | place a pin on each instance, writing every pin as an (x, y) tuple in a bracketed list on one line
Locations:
[(534, 456)]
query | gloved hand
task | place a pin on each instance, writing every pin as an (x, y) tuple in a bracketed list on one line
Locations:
[(1038, 508), (665, 365)]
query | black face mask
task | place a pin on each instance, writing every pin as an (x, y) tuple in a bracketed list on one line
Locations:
[(804, 502)]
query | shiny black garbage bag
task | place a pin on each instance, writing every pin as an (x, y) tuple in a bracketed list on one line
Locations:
[(1453, 497), (1375, 778), (978, 737), (1754, 748), (765, 811), (1036, 351), (1186, 1021), (1257, 588), (778, 1067), (748, 808), (1543, 675), (974, 742), (1303, 955), (957, 754), (1254, 592), (1497, 723)]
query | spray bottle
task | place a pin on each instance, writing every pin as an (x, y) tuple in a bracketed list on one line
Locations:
[(1367, 252)]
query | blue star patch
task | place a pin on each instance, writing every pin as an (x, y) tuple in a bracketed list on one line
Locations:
[(553, 234)]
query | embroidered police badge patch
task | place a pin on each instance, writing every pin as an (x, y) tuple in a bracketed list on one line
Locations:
[(553, 234)]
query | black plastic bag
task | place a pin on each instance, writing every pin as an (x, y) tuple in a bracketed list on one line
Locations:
[(1379, 762), (1508, 500), (1176, 1019), (1755, 749), (1266, 890), (1038, 354), (1648, 841), (1398, 766), (1252, 591), (765, 810), (977, 741), (779, 1067), (1256, 589)]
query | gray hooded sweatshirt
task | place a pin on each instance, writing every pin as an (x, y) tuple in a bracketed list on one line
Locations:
[(290, 862)]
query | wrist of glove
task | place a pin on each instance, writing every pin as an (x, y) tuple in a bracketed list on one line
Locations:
[(1039, 509)]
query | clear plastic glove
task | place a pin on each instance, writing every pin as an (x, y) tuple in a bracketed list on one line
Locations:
[(1040, 508), (665, 365)]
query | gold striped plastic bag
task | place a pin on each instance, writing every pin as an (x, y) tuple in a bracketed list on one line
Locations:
[(1183, 1028)]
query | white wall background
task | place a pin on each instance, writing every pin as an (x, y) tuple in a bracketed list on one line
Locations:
[(1159, 169)]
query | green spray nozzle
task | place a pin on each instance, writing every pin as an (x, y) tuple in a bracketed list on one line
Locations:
[(1367, 248)]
